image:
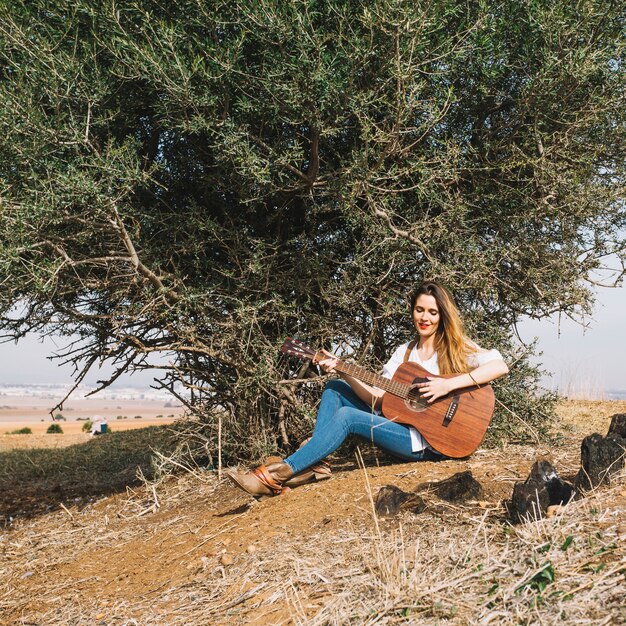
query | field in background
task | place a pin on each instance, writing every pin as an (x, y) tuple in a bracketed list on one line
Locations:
[(122, 409), (579, 418)]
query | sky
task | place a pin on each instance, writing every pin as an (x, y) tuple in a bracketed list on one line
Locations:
[(587, 363)]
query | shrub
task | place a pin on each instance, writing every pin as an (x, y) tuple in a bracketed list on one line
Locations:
[(22, 431), (54, 429), (87, 426)]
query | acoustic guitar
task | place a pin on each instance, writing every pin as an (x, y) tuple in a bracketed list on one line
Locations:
[(454, 425)]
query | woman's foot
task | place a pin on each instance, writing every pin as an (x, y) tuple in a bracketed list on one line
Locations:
[(265, 480), (321, 471)]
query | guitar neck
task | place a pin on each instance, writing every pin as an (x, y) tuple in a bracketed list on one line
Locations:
[(376, 380)]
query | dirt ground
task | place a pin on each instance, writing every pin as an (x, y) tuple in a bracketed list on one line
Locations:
[(195, 550)]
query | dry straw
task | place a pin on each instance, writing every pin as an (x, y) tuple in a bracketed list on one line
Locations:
[(452, 565)]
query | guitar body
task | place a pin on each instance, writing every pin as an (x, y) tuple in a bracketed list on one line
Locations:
[(453, 425)]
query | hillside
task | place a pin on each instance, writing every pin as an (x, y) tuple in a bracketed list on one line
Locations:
[(197, 551)]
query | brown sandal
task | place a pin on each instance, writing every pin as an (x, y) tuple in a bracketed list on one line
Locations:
[(321, 471), (258, 482)]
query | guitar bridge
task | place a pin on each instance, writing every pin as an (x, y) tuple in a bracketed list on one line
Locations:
[(452, 408)]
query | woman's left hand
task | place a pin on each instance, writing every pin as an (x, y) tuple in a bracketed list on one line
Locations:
[(435, 388)]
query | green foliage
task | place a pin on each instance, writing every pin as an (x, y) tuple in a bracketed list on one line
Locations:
[(86, 427), (54, 429), (202, 178), (539, 581), (22, 431)]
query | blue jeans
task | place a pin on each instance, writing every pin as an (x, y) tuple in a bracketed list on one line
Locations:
[(342, 413)]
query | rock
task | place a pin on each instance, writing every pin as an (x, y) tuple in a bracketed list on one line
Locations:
[(390, 500), (529, 501), (601, 457), (559, 491), (554, 509), (226, 559), (543, 488), (618, 425), (460, 487)]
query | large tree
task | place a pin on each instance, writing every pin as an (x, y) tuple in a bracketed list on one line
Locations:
[(201, 178)]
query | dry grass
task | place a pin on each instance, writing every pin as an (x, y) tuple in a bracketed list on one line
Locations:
[(198, 552), (456, 565), (33, 480), (583, 417)]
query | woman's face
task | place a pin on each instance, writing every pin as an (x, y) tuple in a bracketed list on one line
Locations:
[(426, 316)]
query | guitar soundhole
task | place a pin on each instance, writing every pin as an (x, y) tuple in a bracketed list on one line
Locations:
[(414, 400)]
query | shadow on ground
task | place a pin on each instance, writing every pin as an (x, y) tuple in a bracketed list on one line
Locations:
[(36, 481)]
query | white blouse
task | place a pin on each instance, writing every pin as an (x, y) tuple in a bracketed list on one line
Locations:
[(480, 357)]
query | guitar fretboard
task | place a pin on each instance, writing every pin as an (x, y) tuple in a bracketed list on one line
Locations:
[(397, 389)]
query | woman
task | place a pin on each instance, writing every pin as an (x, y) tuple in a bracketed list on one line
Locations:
[(350, 406)]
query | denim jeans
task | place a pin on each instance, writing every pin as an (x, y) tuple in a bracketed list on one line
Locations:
[(342, 413)]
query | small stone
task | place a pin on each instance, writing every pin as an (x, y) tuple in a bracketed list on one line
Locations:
[(543, 488), (251, 548), (529, 500), (391, 499), (101, 616), (227, 541), (621, 531), (226, 559), (388, 500), (483, 504), (554, 509), (460, 487)]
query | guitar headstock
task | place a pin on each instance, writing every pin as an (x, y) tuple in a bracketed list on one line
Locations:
[(296, 348)]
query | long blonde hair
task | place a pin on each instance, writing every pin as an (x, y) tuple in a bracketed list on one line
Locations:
[(452, 345)]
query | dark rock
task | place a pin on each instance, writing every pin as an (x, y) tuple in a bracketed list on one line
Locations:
[(390, 500), (559, 491), (543, 488), (529, 501), (618, 425), (601, 457), (460, 487)]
